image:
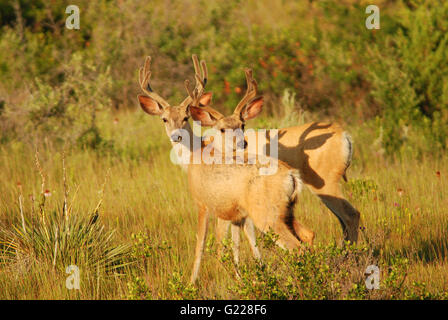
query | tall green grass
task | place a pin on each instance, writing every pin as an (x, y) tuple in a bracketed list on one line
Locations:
[(146, 202), (73, 92)]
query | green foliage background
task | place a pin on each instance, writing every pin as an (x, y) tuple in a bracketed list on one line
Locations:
[(71, 94), (55, 80)]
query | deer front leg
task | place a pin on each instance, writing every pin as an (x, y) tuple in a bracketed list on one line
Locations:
[(305, 235), (235, 243), (249, 231), (200, 241), (222, 227)]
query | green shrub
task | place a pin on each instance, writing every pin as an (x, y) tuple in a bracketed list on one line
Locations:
[(322, 272), (327, 60), (406, 79), (138, 289)]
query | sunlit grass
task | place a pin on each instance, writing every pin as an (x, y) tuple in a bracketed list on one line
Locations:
[(403, 211)]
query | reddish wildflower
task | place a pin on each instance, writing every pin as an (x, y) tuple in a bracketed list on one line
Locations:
[(400, 191), (226, 87), (263, 63), (237, 89), (115, 120), (47, 193), (438, 174), (396, 204), (310, 69), (19, 184)]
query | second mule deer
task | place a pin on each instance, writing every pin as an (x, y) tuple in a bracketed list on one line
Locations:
[(322, 152)]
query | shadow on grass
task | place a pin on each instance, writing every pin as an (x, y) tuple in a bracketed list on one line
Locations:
[(434, 249)]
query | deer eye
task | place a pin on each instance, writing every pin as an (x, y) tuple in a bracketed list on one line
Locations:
[(223, 130), (185, 119), (165, 120)]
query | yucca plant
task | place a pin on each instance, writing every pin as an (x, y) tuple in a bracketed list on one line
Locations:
[(61, 238), (80, 240)]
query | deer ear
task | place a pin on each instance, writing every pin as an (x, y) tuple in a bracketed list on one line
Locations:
[(253, 109), (150, 106), (206, 98), (203, 116)]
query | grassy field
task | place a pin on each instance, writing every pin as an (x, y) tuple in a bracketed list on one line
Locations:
[(86, 178), (145, 200)]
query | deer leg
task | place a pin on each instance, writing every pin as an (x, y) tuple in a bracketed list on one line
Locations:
[(200, 241), (249, 231), (286, 239), (222, 227), (305, 235), (235, 243), (331, 195)]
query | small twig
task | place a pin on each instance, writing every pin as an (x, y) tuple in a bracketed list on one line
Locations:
[(42, 202), (102, 192), (55, 247), (32, 204), (64, 177), (73, 199), (19, 18), (41, 172), (21, 209)]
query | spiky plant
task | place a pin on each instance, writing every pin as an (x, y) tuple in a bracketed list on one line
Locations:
[(60, 238)]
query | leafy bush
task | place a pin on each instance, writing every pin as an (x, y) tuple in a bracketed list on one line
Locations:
[(65, 112), (138, 289), (322, 272), (406, 79), (393, 77)]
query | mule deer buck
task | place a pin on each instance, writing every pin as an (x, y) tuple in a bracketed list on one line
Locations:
[(232, 192), (322, 152), (175, 118)]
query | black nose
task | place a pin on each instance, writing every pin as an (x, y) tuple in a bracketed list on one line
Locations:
[(242, 144), (176, 138)]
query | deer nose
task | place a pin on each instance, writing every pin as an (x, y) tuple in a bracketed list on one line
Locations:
[(242, 144), (176, 138)]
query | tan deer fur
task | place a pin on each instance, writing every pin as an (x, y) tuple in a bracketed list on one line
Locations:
[(232, 192), (322, 153)]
